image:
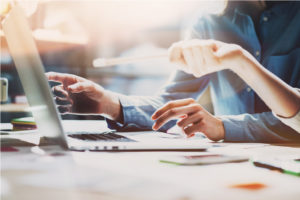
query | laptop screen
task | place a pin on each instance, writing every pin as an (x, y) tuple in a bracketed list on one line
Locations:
[(24, 52)]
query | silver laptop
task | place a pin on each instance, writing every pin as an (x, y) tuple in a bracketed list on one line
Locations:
[(31, 72)]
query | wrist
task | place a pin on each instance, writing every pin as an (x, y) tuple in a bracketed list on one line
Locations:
[(247, 66), (111, 107), (243, 62), (221, 130)]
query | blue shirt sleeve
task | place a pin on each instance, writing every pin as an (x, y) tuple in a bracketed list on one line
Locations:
[(137, 110), (263, 127), (260, 127)]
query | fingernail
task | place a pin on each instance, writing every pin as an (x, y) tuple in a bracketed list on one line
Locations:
[(62, 109), (153, 116), (154, 127)]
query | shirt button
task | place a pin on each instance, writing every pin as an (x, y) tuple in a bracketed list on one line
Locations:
[(248, 89), (265, 19), (257, 53)]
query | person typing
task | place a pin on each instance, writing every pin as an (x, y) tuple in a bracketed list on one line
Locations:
[(268, 31)]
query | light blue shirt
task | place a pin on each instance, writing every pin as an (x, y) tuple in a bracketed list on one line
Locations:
[(275, 44)]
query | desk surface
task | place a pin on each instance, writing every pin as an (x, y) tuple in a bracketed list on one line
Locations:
[(29, 173)]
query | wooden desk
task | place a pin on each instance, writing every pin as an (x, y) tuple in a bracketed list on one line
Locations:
[(139, 175)]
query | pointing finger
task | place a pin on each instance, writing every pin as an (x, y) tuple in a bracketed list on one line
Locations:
[(63, 78)]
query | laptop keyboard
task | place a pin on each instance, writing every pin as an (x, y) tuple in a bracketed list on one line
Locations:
[(108, 136)]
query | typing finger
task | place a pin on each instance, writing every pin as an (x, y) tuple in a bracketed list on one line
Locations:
[(59, 91), (171, 104), (191, 119), (174, 113), (64, 109), (63, 101), (191, 130)]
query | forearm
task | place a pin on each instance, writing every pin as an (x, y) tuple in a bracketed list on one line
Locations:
[(113, 109), (263, 127), (136, 112), (279, 96)]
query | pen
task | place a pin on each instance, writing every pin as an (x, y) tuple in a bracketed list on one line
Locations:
[(290, 167), (104, 62)]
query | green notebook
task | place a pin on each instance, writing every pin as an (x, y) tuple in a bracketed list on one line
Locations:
[(24, 123)]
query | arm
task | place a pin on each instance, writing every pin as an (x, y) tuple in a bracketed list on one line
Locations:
[(201, 57), (204, 57), (137, 110), (81, 96), (260, 127), (281, 98), (192, 118)]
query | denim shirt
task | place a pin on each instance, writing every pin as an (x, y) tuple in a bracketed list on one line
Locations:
[(275, 44)]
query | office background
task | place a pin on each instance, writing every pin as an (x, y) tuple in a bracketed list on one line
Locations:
[(71, 34)]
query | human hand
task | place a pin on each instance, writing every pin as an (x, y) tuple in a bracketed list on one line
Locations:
[(193, 118), (81, 96), (201, 57)]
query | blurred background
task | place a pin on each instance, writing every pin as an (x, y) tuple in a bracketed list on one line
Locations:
[(70, 34)]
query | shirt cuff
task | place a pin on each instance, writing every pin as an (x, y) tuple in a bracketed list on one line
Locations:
[(233, 130), (131, 117), (124, 102), (114, 125)]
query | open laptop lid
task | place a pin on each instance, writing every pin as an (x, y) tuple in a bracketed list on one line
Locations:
[(24, 52)]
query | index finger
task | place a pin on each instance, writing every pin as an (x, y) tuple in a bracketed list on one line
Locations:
[(53, 76), (172, 104), (63, 78)]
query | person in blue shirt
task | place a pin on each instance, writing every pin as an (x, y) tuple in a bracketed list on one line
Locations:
[(201, 57), (269, 31)]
